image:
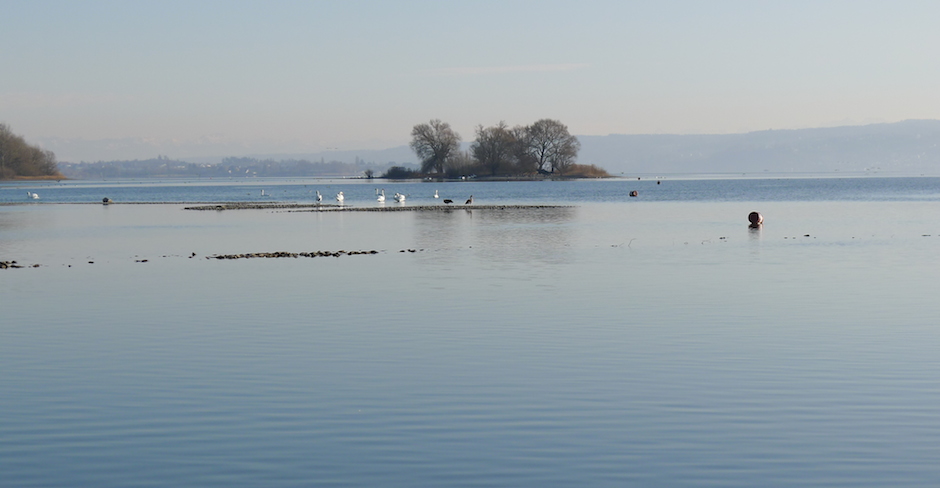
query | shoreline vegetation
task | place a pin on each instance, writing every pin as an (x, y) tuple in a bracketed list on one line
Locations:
[(20, 160)]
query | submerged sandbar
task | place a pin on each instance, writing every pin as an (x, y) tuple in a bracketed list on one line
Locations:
[(308, 207)]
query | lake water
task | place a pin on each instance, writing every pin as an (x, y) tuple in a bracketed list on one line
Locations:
[(648, 341)]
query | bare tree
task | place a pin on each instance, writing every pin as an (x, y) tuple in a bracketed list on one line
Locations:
[(494, 147), (552, 147), (524, 161), (434, 143)]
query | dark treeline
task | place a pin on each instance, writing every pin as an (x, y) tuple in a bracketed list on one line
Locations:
[(163, 166), (545, 148), (18, 159)]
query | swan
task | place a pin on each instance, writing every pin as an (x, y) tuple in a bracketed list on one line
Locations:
[(381, 195), (340, 197), (399, 198), (470, 200), (32, 195), (436, 195), (319, 197), (262, 192)]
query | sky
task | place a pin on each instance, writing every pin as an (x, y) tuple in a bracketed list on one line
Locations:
[(94, 79)]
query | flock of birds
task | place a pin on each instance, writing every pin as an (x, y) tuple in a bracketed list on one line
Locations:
[(380, 197)]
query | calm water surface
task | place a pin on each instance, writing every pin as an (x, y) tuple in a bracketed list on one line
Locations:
[(653, 341)]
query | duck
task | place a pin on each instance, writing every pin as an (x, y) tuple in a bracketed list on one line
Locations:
[(470, 200)]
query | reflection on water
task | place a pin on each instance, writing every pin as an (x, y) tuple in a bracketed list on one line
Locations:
[(613, 344), (516, 235)]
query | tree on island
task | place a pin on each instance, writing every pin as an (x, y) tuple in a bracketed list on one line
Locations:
[(552, 146), (494, 147), (18, 159), (434, 143), (544, 147)]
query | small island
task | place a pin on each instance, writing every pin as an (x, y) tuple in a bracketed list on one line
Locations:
[(542, 150)]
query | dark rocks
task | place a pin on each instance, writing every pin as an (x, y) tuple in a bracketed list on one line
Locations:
[(284, 254)]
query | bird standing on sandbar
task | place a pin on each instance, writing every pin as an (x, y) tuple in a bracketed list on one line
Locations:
[(340, 197), (470, 200)]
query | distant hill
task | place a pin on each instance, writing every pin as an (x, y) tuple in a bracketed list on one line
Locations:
[(910, 147)]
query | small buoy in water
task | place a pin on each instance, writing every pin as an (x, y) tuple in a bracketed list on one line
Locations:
[(633, 193), (105, 200), (755, 218)]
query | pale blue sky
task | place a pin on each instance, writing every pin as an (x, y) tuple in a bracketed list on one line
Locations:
[(359, 74)]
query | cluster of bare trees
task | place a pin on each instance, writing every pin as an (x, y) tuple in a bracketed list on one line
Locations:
[(19, 159), (544, 147)]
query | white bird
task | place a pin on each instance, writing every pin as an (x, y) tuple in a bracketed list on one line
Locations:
[(399, 198), (319, 197), (436, 195), (262, 192), (381, 195), (32, 195), (340, 197)]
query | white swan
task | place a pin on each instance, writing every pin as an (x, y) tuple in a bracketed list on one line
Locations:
[(399, 198), (32, 195), (340, 197), (319, 197), (436, 195), (262, 192), (381, 195)]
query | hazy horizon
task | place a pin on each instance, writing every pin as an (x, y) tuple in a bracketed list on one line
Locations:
[(296, 77)]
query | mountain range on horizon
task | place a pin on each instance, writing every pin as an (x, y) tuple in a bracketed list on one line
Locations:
[(910, 147)]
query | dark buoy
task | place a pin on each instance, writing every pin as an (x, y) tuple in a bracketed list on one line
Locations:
[(105, 200), (755, 218), (633, 193)]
